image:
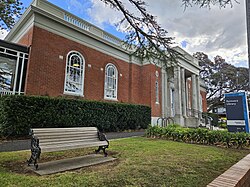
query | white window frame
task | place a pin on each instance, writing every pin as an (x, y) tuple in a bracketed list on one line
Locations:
[(157, 92), (82, 71), (110, 65)]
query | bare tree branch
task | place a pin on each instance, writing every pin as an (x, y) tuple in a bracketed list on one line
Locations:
[(208, 3), (148, 39), (144, 36)]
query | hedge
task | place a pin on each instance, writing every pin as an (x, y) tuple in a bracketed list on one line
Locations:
[(200, 136), (20, 113)]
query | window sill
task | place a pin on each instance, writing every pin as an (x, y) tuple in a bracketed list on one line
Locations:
[(157, 103), (73, 94), (110, 99)]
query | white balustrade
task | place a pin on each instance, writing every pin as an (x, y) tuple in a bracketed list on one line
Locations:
[(112, 39), (79, 23), (88, 27)]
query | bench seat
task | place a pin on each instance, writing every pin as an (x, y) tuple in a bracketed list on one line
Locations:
[(59, 139)]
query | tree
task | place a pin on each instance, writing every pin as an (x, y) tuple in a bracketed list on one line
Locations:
[(145, 36), (9, 11), (208, 3), (220, 78)]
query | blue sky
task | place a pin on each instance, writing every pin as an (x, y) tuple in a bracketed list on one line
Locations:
[(80, 9), (214, 32)]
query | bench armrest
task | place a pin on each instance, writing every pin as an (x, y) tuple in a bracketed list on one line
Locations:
[(102, 137)]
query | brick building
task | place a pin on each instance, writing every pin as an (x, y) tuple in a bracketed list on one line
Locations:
[(70, 57)]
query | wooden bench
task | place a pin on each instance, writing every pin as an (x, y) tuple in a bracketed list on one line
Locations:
[(58, 139)]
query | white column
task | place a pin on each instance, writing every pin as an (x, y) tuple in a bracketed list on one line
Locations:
[(198, 91), (177, 92), (183, 94), (164, 93), (194, 94)]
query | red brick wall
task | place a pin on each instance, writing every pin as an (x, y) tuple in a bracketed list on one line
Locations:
[(27, 38), (204, 101), (27, 41), (189, 91), (46, 71)]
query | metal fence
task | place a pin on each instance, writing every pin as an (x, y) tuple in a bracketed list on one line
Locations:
[(9, 92)]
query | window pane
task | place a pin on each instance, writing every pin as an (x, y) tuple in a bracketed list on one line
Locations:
[(74, 74), (110, 90), (7, 71)]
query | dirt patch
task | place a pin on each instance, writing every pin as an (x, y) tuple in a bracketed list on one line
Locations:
[(18, 167), (23, 168)]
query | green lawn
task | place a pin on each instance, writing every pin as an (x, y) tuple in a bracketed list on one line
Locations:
[(141, 162)]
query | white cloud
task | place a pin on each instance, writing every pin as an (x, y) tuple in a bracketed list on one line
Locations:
[(77, 6), (101, 14), (3, 34), (215, 31)]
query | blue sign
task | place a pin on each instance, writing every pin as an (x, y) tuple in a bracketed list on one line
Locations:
[(237, 112)]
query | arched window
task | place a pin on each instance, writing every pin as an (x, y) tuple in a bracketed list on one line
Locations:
[(74, 74), (111, 82)]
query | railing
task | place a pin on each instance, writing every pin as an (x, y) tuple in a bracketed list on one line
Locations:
[(165, 121), (194, 113), (111, 39), (77, 22), (92, 29), (9, 92), (205, 120)]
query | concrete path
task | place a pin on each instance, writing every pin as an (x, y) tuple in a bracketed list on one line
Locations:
[(70, 164), (17, 145)]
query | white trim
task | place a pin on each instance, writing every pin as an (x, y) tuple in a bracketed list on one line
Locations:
[(18, 56), (116, 82), (15, 79), (50, 21), (21, 76), (83, 74), (23, 25)]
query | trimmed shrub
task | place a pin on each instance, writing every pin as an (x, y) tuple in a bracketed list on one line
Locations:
[(20, 113), (199, 136)]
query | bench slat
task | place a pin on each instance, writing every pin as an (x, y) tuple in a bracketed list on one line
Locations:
[(65, 132), (74, 129), (66, 136), (60, 138), (71, 146), (62, 141)]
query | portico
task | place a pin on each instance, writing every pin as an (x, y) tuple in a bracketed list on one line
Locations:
[(181, 98)]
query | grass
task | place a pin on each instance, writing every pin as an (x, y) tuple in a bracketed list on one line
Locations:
[(141, 162)]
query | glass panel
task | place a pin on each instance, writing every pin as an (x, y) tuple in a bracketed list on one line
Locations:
[(74, 77), (7, 72), (110, 82)]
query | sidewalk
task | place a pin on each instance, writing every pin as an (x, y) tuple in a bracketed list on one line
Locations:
[(18, 145)]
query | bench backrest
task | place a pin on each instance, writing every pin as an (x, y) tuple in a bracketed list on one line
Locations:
[(55, 139)]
